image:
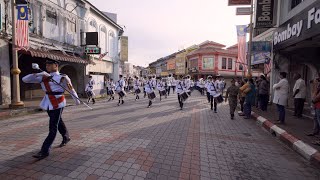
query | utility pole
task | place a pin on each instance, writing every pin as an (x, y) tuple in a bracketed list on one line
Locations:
[(16, 103), (250, 40)]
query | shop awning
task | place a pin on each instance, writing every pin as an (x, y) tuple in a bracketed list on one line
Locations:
[(57, 55)]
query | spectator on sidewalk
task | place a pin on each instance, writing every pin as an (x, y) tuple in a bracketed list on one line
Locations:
[(315, 88), (250, 92), (316, 102), (281, 96), (243, 86), (299, 95), (263, 90)]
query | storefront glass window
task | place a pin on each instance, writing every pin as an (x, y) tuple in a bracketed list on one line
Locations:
[(295, 3), (230, 63)]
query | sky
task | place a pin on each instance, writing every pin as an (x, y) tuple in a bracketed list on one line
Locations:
[(157, 28)]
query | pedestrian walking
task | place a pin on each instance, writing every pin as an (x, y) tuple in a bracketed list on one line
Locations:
[(136, 87), (53, 102), (299, 95), (120, 85), (232, 96), (173, 84), (281, 96), (89, 90), (263, 93)]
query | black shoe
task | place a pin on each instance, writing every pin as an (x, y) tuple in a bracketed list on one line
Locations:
[(112, 98), (215, 111), (122, 102), (41, 155), (64, 142), (109, 100)]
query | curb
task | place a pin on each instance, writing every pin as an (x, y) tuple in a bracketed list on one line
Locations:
[(305, 150)]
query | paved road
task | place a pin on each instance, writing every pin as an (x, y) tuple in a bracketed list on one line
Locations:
[(162, 142)]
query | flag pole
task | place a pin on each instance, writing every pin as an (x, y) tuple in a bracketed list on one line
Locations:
[(15, 71), (250, 40)]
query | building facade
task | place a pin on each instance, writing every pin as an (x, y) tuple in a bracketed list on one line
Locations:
[(296, 44)]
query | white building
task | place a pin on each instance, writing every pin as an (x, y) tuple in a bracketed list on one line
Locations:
[(128, 69), (56, 29)]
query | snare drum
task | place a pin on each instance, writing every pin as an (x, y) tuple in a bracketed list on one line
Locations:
[(138, 91), (184, 96), (163, 93), (219, 99), (110, 92), (121, 94), (152, 95)]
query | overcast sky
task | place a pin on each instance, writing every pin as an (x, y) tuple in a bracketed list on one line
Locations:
[(157, 28)]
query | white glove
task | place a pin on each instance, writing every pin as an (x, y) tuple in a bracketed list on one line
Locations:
[(43, 74)]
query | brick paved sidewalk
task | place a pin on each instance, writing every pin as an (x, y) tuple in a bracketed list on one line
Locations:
[(298, 127), (162, 142)]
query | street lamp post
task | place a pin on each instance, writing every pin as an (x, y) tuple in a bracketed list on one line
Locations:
[(250, 39), (16, 103)]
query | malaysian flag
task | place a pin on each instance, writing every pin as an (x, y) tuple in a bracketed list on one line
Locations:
[(102, 55), (267, 65), (242, 45), (22, 27)]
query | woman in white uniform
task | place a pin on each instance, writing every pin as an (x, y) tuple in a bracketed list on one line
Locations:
[(150, 91), (136, 87)]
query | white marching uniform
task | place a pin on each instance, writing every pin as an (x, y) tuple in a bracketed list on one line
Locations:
[(187, 85), (120, 85), (137, 84), (89, 87), (149, 87), (161, 86), (54, 98), (180, 87), (212, 88)]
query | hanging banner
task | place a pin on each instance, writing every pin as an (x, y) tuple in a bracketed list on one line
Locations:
[(261, 46), (243, 11), (264, 13), (239, 2)]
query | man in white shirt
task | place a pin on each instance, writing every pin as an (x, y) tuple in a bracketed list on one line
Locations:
[(281, 96), (53, 84), (299, 95)]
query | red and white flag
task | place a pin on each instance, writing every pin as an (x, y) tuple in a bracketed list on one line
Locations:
[(242, 45), (267, 65), (22, 27), (102, 56)]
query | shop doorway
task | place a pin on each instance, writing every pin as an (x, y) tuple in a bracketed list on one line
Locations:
[(72, 73)]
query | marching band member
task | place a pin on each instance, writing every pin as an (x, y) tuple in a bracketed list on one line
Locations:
[(154, 82), (111, 86), (213, 91), (53, 102), (150, 91), (187, 84), (137, 90), (161, 88), (180, 91), (173, 84), (201, 86), (144, 82), (120, 85), (169, 83), (206, 86), (89, 90)]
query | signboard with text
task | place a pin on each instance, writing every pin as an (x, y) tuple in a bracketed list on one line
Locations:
[(180, 66), (264, 13), (303, 26), (239, 2), (243, 11), (261, 46)]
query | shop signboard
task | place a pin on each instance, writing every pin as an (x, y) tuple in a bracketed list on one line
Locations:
[(261, 46), (303, 26), (260, 58), (171, 64), (239, 2), (243, 11), (180, 66), (264, 13)]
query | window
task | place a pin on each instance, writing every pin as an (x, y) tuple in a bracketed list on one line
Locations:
[(224, 63), (93, 24), (207, 63), (295, 3), (71, 26), (52, 17), (230, 63), (240, 67)]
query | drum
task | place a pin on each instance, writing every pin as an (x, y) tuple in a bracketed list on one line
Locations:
[(110, 92), (121, 94), (152, 95), (138, 91), (163, 93), (219, 99), (184, 96), (89, 93)]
